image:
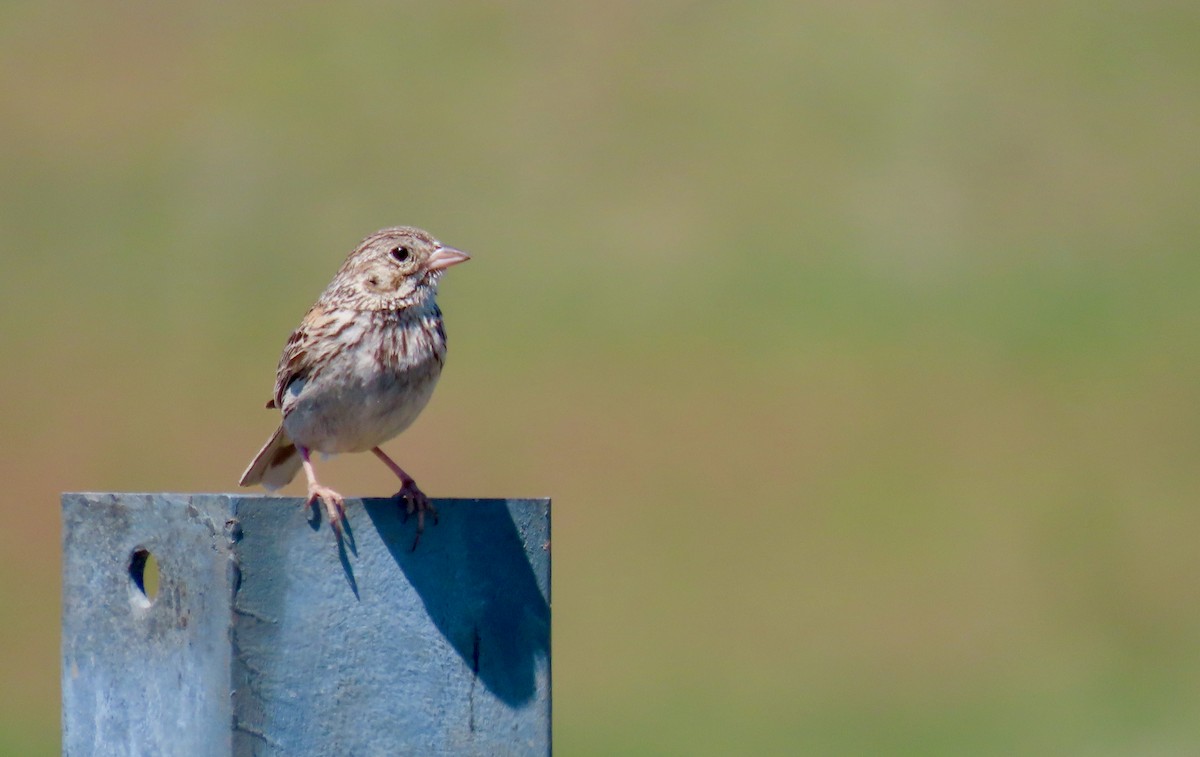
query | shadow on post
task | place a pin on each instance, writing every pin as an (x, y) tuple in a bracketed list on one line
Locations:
[(480, 591)]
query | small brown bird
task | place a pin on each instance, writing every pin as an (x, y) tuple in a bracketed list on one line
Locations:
[(361, 366)]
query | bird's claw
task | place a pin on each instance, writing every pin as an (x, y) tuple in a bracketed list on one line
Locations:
[(415, 501), (335, 504)]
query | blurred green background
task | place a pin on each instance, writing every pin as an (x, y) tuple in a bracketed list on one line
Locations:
[(856, 342)]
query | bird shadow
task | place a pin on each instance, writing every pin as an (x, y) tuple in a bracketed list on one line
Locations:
[(345, 539), (478, 587)]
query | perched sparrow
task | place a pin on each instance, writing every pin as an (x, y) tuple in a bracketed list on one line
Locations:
[(361, 366)]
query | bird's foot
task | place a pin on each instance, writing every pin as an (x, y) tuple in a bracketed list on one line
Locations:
[(335, 504), (416, 502)]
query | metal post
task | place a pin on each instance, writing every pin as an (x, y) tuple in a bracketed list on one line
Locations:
[(269, 637)]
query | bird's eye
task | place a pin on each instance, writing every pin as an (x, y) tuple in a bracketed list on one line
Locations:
[(400, 253)]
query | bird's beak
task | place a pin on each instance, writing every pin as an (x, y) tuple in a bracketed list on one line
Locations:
[(444, 257)]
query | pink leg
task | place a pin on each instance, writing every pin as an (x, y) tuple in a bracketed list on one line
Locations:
[(415, 499), (335, 505)]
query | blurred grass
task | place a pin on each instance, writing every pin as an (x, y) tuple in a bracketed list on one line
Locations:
[(856, 342)]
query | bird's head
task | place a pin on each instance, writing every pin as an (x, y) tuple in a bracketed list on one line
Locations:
[(393, 269)]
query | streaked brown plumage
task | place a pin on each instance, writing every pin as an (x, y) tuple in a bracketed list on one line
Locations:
[(361, 366)]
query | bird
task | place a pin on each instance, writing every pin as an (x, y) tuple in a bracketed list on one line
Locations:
[(360, 367)]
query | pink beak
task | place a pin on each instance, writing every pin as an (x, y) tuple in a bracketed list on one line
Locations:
[(444, 257)]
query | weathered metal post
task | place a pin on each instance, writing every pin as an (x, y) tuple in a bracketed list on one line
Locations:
[(266, 637)]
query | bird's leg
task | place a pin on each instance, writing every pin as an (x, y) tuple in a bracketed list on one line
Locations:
[(335, 504), (415, 499)]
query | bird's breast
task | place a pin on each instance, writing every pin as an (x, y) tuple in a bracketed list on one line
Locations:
[(371, 389)]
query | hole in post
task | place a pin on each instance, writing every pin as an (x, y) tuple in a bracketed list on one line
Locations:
[(143, 571)]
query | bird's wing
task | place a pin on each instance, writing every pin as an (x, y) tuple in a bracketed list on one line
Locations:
[(310, 346), (293, 364)]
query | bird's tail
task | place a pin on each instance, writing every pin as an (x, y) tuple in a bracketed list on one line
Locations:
[(275, 464)]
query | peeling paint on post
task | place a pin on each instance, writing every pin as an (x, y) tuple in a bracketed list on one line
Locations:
[(268, 637)]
